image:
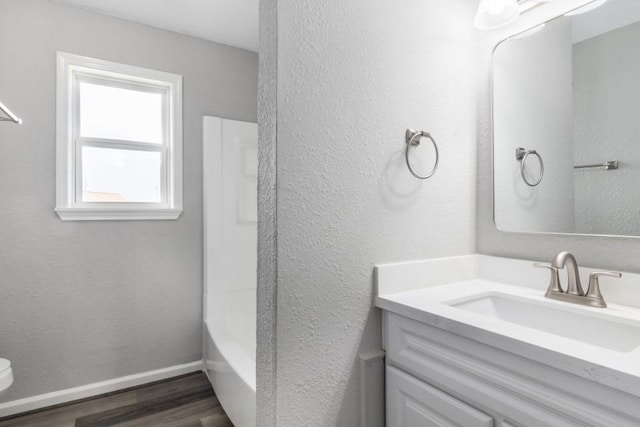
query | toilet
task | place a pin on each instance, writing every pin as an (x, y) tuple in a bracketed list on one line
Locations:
[(6, 375)]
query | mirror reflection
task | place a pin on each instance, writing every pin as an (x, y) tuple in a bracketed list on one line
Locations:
[(566, 99)]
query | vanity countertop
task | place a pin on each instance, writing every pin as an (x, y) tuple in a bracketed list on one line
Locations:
[(436, 292)]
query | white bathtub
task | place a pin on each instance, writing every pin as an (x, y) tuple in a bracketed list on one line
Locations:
[(230, 241), (232, 372)]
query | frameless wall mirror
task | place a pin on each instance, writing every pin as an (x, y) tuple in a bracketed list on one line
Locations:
[(566, 123)]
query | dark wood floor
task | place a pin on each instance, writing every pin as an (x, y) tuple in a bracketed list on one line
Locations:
[(185, 401)]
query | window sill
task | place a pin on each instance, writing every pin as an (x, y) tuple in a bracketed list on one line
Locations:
[(89, 214)]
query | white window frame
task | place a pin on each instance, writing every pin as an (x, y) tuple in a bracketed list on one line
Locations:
[(72, 69)]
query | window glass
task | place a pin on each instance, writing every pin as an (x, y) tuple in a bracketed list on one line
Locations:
[(117, 113), (115, 175), (119, 141)]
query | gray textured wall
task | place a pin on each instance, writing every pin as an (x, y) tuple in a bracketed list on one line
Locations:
[(606, 126), (351, 77), (604, 252), (88, 301), (267, 221)]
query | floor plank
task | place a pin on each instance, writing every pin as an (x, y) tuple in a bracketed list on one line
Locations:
[(185, 415), (217, 420), (160, 403), (176, 387), (185, 401), (65, 416)]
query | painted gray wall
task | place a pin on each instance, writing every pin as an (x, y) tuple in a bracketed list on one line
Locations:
[(532, 93), (606, 127), (267, 222), (604, 252), (351, 77), (82, 302)]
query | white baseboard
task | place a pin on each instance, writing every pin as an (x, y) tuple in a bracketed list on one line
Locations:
[(95, 389)]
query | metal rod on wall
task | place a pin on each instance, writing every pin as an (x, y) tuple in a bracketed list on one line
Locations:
[(611, 165), (10, 116)]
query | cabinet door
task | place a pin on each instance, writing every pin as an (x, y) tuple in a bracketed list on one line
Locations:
[(413, 403)]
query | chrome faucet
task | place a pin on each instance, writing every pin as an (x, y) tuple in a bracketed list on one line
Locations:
[(574, 293), (573, 275)]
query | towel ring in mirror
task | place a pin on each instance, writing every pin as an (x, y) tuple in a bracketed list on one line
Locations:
[(521, 155)]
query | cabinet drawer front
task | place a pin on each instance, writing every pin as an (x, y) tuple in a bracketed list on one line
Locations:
[(412, 403)]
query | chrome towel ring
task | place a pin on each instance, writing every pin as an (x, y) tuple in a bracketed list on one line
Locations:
[(521, 155), (412, 138)]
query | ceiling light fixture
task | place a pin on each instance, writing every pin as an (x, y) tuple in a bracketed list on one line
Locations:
[(496, 13), (493, 14)]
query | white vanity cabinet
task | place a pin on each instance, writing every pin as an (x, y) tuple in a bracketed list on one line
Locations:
[(439, 378), (411, 402)]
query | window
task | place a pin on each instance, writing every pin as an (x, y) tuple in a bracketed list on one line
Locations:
[(119, 141)]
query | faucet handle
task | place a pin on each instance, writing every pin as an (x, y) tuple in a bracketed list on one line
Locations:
[(554, 281), (597, 274), (593, 291)]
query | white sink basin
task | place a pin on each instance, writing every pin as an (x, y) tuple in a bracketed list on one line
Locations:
[(598, 329), (500, 303)]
